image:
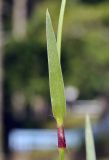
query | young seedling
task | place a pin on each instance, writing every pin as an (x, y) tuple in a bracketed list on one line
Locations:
[(90, 148), (56, 85), (55, 77)]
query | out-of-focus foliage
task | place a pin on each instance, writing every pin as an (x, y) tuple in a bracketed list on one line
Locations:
[(92, 1), (26, 67), (85, 47)]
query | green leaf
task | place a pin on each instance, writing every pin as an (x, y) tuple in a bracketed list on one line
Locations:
[(60, 24), (55, 74), (90, 148)]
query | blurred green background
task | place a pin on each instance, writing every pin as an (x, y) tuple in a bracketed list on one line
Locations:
[(85, 46), (85, 58)]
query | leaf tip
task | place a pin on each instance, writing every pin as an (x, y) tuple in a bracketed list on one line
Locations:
[(47, 13)]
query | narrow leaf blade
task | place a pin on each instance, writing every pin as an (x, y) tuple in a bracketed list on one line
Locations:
[(55, 74), (90, 148), (60, 24)]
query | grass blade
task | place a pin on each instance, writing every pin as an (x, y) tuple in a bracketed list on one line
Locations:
[(90, 148), (60, 24), (55, 74)]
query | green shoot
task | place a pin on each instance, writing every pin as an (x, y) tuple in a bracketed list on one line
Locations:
[(57, 86), (55, 74), (60, 24), (55, 77), (90, 148)]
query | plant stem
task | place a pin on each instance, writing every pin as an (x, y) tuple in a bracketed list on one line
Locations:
[(61, 142), (61, 153)]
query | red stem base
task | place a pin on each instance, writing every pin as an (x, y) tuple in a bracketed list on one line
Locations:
[(61, 138)]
